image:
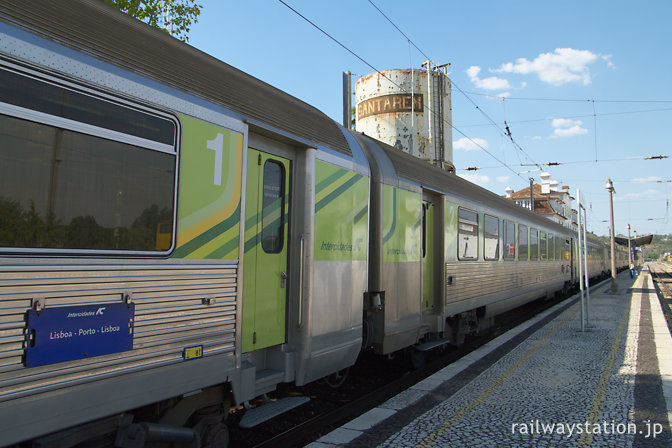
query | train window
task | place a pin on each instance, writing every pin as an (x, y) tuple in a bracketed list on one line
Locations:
[(56, 101), (65, 190), (273, 213), (523, 243), (543, 254), (509, 240), (467, 234), (491, 238), (551, 247), (534, 244)]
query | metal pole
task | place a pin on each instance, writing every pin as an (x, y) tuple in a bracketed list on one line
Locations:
[(629, 249), (585, 248), (614, 285), (583, 300), (347, 100)]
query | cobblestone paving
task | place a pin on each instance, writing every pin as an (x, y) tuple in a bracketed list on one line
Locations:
[(541, 393)]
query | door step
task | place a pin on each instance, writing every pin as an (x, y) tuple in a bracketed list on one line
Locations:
[(260, 414), (426, 346)]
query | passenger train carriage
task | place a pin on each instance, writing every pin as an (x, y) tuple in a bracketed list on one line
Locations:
[(176, 233)]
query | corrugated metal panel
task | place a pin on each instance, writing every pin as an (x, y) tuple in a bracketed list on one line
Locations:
[(137, 47), (170, 315), (472, 280)]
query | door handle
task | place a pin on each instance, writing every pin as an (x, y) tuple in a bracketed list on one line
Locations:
[(283, 279)]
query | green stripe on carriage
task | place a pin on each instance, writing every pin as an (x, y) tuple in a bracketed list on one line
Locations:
[(330, 180), (207, 236), (389, 234), (337, 192), (361, 214)]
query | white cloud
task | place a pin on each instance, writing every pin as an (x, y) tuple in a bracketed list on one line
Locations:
[(490, 83), (503, 179), (478, 179), (470, 144), (570, 132), (647, 179), (648, 194), (563, 66), (568, 128), (607, 59), (565, 123)]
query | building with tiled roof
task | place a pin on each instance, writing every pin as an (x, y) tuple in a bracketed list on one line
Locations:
[(550, 201)]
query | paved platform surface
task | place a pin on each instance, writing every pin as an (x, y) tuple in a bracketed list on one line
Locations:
[(545, 383)]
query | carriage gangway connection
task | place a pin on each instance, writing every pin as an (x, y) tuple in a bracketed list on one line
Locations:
[(544, 383)]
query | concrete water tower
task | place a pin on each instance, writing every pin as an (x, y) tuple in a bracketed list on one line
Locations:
[(410, 110)]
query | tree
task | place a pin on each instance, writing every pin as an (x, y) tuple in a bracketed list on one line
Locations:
[(175, 17)]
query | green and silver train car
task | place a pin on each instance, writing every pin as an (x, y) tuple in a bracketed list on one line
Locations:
[(446, 256), (177, 237), (173, 231)]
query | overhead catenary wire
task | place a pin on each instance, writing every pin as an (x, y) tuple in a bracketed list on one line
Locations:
[(569, 100), (506, 133), (392, 81), (605, 114), (574, 162), (492, 122)]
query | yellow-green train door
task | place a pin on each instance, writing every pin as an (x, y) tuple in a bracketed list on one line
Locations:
[(265, 259)]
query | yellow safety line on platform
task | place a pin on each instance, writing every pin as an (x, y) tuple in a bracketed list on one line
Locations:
[(586, 438), (445, 426)]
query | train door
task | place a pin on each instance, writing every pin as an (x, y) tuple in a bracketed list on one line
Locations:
[(572, 262), (265, 259), (427, 255)]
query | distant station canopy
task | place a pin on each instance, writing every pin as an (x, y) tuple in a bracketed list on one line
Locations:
[(638, 241)]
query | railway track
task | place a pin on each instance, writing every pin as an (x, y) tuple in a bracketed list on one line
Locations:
[(331, 408), (662, 277)]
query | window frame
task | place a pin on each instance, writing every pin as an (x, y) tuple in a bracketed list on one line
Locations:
[(459, 233), (527, 242), (486, 218), (282, 196), (534, 244), (514, 232), (78, 127)]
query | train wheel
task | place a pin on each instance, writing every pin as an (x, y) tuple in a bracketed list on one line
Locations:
[(336, 380)]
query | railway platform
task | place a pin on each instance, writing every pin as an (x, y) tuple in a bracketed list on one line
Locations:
[(545, 383)]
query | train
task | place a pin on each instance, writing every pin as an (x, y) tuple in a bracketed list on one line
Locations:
[(178, 237)]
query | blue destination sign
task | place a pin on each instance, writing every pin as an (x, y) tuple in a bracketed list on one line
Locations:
[(74, 332)]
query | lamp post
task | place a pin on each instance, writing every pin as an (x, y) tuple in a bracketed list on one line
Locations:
[(610, 188), (629, 248)]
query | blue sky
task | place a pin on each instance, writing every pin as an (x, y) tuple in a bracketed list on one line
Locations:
[(575, 81)]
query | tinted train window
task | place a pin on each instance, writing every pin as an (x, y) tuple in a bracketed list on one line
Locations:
[(534, 244), (543, 254), (30, 93), (523, 243), (64, 187), (509, 240), (551, 247), (491, 238), (467, 235), (273, 216)]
